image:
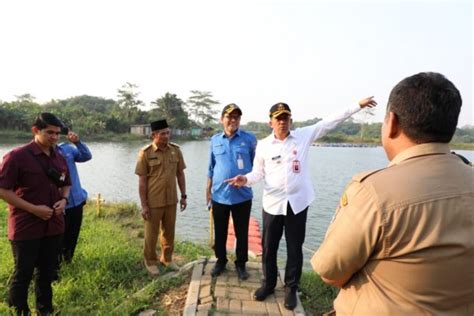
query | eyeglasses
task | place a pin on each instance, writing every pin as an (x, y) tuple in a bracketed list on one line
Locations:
[(232, 117)]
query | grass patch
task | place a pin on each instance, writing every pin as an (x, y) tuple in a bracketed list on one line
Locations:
[(107, 276), (316, 296)]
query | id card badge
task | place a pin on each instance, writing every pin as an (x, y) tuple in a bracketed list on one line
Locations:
[(240, 163), (296, 166)]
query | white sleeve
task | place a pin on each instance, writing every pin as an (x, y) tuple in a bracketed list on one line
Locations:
[(258, 170), (324, 126)]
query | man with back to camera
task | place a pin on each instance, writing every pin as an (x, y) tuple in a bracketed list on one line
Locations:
[(75, 151), (34, 181), (158, 167), (401, 241), (281, 160), (231, 152)]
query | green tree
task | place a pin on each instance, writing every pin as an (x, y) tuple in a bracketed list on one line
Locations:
[(200, 106), (170, 107), (88, 114), (364, 115), (26, 97), (19, 114), (129, 102)]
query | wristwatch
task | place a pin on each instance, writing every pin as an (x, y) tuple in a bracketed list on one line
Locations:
[(184, 196)]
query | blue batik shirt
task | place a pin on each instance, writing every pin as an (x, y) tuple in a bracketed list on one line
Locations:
[(230, 157), (73, 153)]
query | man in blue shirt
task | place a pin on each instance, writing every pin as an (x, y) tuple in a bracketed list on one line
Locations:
[(231, 153), (73, 152)]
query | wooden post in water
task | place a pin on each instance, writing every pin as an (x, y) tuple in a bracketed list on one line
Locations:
[(99, 203)]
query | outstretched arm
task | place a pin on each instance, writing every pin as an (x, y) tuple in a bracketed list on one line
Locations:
[(367, 102), (323, 127)]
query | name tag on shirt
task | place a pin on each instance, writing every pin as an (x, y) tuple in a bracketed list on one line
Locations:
[(296, 166), (240, 163)]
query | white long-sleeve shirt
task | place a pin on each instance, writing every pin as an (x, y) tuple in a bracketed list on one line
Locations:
[(274, 161)]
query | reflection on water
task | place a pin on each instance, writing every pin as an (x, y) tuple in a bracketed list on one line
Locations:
[(111, 173)]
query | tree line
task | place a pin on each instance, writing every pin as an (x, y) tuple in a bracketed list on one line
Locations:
[(91, 115)]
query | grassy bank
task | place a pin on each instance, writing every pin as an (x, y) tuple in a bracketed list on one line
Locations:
[(107, 276), (316, 296)]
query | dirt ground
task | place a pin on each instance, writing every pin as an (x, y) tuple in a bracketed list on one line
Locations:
[(174, 300)]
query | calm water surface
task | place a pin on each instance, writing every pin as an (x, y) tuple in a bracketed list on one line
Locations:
[(111, 173)]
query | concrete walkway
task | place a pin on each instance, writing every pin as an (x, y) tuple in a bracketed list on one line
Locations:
[(227, 295)]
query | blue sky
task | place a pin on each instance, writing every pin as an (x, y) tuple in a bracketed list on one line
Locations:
[(318, 56)]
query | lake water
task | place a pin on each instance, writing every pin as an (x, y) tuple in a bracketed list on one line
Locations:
[(111, 173)]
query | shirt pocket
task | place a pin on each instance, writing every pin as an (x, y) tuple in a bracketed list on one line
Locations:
[(155, 167), (174, 159), (31, 177), (218, 150), (273, 158), (243, 153)]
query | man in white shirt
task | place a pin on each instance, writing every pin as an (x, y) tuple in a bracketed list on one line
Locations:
[(281, 159)]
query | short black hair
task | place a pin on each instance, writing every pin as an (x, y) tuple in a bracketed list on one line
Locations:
[(45, 119), (427, 106)]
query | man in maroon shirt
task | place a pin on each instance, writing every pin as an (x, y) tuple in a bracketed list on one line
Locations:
[(34, 181)]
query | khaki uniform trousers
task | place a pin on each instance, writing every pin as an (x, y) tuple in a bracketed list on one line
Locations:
[(162, 221)]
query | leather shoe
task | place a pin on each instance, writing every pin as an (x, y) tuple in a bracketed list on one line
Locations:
[(242, 273), (171, 265), (217, 270), (262, 293), (152, 269), (290, 298)]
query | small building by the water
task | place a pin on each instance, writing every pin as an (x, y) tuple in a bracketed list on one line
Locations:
[(145, 130), (196, 131), (140, 129)]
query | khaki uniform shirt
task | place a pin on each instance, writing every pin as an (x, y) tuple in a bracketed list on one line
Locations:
[(406, 235), (160, 167)]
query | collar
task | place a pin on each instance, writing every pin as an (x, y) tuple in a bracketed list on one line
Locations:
[(420, 150), (155, 147), (276, 140), (33, 146), (237, 132)]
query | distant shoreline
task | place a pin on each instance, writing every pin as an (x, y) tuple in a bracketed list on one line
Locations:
[(12, 136), (346, 144)]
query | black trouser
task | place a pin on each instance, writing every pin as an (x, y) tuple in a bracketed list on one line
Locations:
[(240, 217), (295, 228), (28, 254), (73, 221)]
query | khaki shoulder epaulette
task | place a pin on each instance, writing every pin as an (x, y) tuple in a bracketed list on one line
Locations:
[(174, 144), (146, 147), (364, 175)]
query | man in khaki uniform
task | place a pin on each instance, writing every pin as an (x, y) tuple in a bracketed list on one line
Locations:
[(402, 239), (158, 167)]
